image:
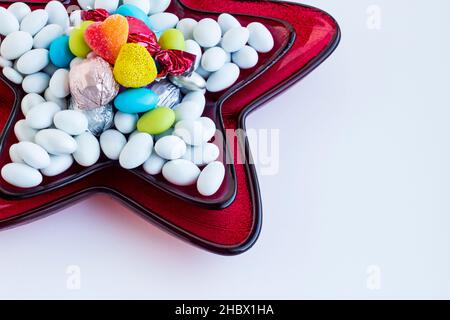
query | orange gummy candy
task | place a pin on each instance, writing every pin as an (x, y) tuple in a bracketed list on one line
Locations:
[(107, 38)]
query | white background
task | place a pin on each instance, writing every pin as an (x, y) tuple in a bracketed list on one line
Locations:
[(364, 181)]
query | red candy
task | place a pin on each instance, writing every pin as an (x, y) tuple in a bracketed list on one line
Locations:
[(174, 62), (96, 15), (136, 26)]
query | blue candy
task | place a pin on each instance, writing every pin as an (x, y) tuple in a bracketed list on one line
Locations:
[(136, 100), (60, 54), (129, 10)]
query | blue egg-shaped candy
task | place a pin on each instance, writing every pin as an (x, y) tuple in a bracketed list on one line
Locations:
[(129, 10), (136, 100), (60, 54)]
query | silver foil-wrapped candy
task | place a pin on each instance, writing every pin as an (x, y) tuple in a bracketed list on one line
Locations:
[(193, 82), (92, 83), (99, 119), (169, 95)]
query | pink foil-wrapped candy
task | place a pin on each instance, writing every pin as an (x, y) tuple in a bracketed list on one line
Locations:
[(92, 83)]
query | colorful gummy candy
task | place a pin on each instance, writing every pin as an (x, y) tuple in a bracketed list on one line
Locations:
[(134, 67), (107, 38)]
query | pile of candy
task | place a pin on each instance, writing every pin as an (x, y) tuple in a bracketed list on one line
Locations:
[(124, 78)]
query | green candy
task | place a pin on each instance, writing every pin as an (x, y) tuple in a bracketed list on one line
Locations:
[(156, 121), (77, 44), (172, 39)]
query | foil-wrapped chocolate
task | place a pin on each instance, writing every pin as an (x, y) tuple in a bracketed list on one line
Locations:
[(92, 83), (193, 82), (99, 119), (169, 95)]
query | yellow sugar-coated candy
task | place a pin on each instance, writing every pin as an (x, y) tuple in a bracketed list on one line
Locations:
[(77, 44), (172, 39), (134, 66)]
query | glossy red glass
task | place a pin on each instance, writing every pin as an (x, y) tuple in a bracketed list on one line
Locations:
[(230, 221)]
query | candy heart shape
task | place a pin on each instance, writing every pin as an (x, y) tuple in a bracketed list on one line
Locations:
[(134, 66), (107, 38)]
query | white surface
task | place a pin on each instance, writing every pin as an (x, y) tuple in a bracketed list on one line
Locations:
[(367, 184)]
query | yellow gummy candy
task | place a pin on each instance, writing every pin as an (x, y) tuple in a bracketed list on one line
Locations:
[(134, 66)]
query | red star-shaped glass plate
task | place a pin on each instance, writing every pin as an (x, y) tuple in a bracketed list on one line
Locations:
[(230, 221)]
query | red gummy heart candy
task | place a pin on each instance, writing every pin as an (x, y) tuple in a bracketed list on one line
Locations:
[(107, 38)]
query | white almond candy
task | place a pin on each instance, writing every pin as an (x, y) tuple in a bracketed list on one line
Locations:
[(181, 172), (223, 79), (235, 39), (88, 149), (57, 14), (8, 22), (207, 33), (136, 151), (71, 121), (5, 63), (59, 83), (144, 5), (163, 21), (20, 175), (86, 4), (245, 58), (41, 116), (29, 101), (154, 164), (193, 48), (33, 61), (260, 37), (33, 155), (211, 178), (202, 155), (213, 59), (36, 83), (170, 147), (58, 165), (112, 142), (23, 131), (227, 22), (16, 44), (108, 5), (19, 10), (56, 142), (196, 96), (125, 122), (45, 37), (61, 102), (34, 21), (209, 128), (14, 154), (75, 18), (12, 75), (191, 131), (186, 26), (188, 110), (157, 6)]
